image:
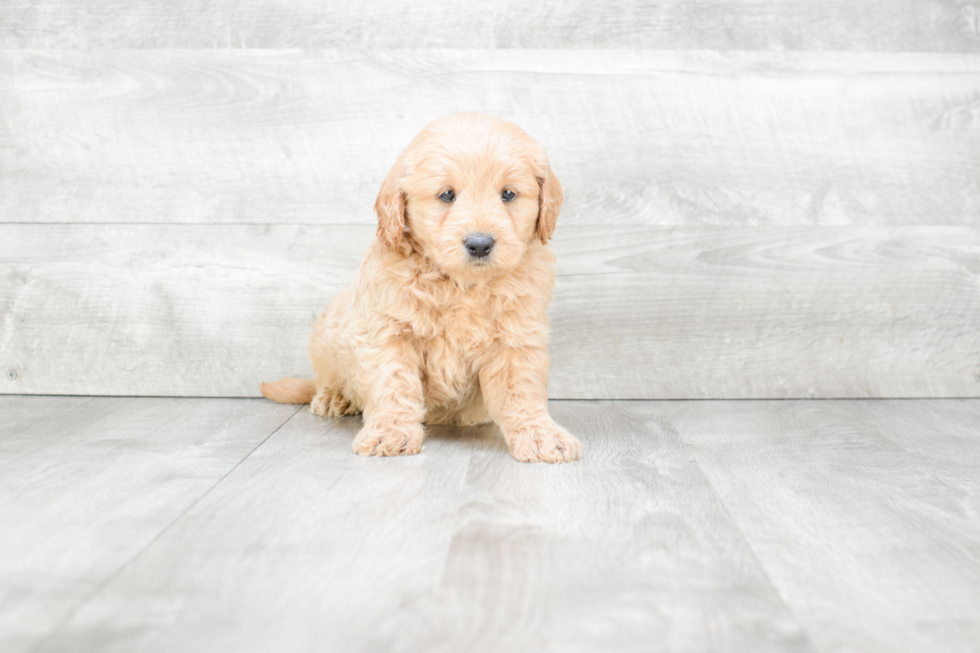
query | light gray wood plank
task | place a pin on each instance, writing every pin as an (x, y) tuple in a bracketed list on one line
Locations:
[(627, 550), (172, 311), (869, 548), (944, 435), (767, 313), (947, 25), (87, 483), (306, 547), (639, 312), (658, 138)]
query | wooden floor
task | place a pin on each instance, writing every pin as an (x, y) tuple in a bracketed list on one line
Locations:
[(239, 525)]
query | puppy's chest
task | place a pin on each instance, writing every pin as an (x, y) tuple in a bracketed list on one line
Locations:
[(452, 344)]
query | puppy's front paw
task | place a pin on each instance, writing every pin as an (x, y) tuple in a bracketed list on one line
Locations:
[(544, 441), (392, 441)]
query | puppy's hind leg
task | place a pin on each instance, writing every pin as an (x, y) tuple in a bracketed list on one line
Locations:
[(331, 403)]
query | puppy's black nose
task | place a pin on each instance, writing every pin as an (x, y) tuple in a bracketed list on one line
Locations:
[(478, 245)]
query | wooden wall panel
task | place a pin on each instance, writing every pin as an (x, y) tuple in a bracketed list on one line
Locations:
[(763, 199), (640, 312), (654, 138), (884, 25)]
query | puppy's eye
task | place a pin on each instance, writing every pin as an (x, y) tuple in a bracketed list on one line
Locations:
[(508, 195), (448, 196)]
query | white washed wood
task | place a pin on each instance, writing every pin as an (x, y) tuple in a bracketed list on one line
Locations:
[(947, 25), (714, 313), (628, 550), (639, 312), (943, 435), (165, 310), (306, 547), (87, 483), (665, 138), (868, 547)]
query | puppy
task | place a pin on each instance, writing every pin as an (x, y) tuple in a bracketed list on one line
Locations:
[(446, 319)]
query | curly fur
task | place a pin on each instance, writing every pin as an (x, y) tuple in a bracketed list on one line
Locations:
[(427, 333)]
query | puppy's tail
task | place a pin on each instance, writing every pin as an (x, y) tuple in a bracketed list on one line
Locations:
[(290, 391)]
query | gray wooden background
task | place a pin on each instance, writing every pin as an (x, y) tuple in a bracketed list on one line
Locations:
[(763, 198)]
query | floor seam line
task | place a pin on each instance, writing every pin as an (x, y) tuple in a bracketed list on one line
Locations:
[(111, 577), (765, 572)]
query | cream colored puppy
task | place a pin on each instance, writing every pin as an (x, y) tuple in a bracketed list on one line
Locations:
[(445, 321)]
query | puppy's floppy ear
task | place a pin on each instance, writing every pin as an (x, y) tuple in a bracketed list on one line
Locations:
[(549, 202), (390, 208)]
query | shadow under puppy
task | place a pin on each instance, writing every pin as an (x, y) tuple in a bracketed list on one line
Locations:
[(446, 319)]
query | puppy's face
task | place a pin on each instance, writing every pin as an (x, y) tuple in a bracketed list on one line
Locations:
[(473, 192)]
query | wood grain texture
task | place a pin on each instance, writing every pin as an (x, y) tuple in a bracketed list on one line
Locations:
[(943, 435), (767, 313), (946, 25), (87, 483), (306, 547), (866, 544), (639, 312), (688, 526), (628, 550), (655, 138)]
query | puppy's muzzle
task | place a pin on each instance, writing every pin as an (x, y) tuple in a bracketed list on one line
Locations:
[(479, 245)]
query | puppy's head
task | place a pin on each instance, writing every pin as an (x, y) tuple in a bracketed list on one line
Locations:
[(473, 192)]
